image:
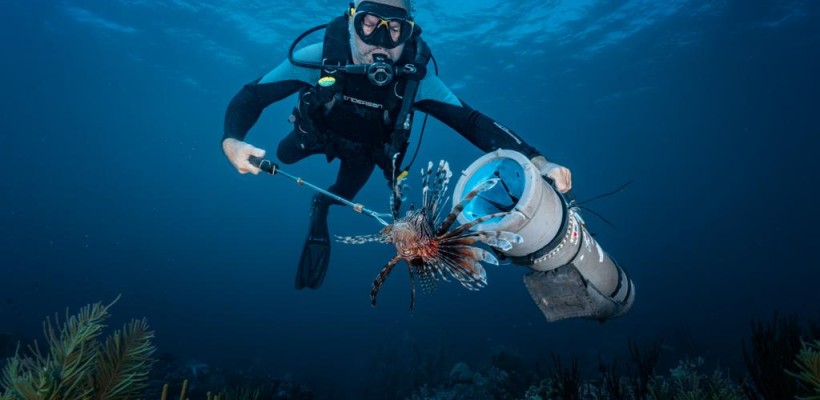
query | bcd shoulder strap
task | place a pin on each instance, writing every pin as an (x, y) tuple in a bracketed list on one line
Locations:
[(400, 137), (335, 52)]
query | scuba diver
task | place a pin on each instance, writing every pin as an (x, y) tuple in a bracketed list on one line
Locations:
[(357, 93)]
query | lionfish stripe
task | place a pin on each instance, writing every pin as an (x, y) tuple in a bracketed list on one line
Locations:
[(467, 239), (501, 240), (377, 284), (434, 189), (467, 259), (425, 183), (458, 275), (465, 270), (445, 226), (476, 253), (440, 211), (473, 223), (442, 179), (438, 268)]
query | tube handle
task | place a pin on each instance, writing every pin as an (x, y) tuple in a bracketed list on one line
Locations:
[(263, 164), (569, 196)]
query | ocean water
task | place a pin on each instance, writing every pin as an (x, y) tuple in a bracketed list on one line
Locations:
[(113, 181)]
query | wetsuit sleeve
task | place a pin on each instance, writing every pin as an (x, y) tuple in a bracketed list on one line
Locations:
[(436, 99), (284, 80), (246, 107), (481, 130)]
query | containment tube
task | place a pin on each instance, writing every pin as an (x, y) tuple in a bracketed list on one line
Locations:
[(571, 275)]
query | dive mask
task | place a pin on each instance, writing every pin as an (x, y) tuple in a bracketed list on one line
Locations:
[(381, 25)]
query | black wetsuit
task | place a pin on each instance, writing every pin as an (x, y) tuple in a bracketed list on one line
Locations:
[(361, 139)]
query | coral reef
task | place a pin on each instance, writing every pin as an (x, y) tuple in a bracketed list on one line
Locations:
[(774, 347), (686, 382), (276, 390), (563, 381), (783, 361), (80, 366), (461, 373), (505, 377), (396, 371), (808, 370)]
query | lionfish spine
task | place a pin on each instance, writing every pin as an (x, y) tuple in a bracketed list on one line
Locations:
[(462, 267), (469, 225), (360, 239), (476, 254), (445, 226), (442, 179), (434, 186), (425, 183)]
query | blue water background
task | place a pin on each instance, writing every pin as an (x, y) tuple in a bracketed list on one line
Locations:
[(112, 179)]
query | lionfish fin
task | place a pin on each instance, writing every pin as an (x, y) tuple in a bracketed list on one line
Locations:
[(377, 283), (448, 222), (434, 187), (360, 239), (412, 288), (427, 278), (464, 264)]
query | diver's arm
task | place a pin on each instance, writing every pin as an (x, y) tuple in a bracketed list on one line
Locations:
[(247, 105), (245, 108), (435, 98), (243, 112), (489, 135), (481, 130), (281, 82)]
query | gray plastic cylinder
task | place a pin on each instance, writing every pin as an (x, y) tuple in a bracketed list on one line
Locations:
[(572, 276)]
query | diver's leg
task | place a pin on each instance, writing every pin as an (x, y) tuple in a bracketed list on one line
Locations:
[(296, 146), (352, 176)]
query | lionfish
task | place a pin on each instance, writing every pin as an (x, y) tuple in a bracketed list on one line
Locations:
[(431, 245)]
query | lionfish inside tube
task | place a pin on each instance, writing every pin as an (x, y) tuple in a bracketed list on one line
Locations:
[(433, 246)]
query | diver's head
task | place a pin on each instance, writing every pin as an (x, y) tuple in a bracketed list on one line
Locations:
[(379, 27)]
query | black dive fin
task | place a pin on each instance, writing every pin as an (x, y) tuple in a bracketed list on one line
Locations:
[(316, 253), (313, 263)]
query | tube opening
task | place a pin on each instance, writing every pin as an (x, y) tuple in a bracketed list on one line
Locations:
[(503, 197)]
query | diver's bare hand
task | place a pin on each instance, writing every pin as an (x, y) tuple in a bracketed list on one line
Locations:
[(238, 153), (560, 175)]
